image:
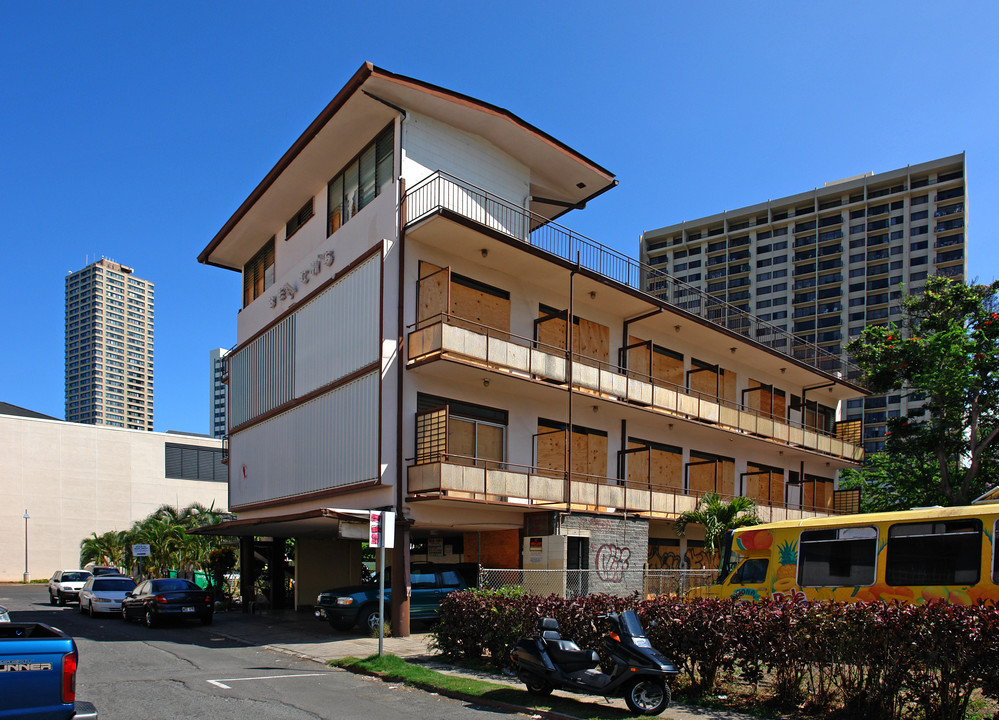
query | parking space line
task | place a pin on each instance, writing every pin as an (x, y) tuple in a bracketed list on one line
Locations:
[(221, 682)]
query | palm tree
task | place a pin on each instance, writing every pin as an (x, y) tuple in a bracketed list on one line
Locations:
[(718, 517)]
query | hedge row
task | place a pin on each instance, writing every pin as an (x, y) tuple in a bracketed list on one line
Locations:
[(861, 660)]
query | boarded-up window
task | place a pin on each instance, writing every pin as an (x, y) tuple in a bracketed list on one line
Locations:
[(487, 307), (707, 472), (654, 465), (764, 484), (765, 399), (817, 492), (589, 450), (440, 291), (711, 380), (590, 340), (648, 360)]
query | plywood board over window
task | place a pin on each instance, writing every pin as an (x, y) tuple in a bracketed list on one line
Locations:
[(711, 380), (646, 359), (764, 484), (589, 450), (816, 492), (590, 340), (707, 472), (654, 465), (765, 399), (485, 306), (432, 293)]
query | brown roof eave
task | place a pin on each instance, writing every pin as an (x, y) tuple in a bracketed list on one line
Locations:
[(306, 137)]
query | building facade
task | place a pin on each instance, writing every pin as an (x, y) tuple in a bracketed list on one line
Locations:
[(74, 479), (218, 392), (109, 347), (825, 263), (419, 335)]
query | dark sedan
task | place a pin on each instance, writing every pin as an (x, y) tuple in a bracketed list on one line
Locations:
[(156, 600)]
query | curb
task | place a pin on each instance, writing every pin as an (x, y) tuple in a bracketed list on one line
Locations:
[(550, 714)]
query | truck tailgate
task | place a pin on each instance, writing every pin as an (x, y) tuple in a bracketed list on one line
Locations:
[(31, 671)]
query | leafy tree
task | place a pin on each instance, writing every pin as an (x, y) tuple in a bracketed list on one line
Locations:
[(946, 349), (718, 516), (895, 482), (109, 548)]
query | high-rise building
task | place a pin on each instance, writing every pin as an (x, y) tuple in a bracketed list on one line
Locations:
[(825, 263), (218, 392), (109, 347)]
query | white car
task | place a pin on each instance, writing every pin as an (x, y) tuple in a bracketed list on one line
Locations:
[(104, 593), (65, 585)]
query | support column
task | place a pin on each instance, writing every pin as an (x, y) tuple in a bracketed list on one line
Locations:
[(401, 584), (276, 572), (246, 574)]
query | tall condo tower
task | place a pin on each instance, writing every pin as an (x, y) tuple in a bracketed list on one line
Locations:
[(109, 347), (218, 392), (828, 262)]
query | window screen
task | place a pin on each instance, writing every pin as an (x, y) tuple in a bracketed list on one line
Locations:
[(945, 552), (839, 557)]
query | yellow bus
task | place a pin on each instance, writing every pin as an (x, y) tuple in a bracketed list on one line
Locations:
[(912, 556)]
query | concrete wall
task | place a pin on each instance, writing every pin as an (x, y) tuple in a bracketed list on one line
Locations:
[(75, 479)]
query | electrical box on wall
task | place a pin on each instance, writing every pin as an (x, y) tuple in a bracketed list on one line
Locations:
[(546, 552)]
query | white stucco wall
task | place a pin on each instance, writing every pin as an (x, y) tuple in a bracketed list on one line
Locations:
[(76, 479)]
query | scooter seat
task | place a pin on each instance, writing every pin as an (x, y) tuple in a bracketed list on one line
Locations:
[(569, 657)]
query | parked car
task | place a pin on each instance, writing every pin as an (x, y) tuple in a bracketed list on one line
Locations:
[(65, 585), (358, 604), (103, 570), (156, 600), (4, 615), (104, 593)]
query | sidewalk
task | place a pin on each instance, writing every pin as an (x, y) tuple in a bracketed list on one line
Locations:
[(302, 635)]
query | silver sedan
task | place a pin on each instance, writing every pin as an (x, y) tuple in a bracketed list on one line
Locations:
[(104, 593)]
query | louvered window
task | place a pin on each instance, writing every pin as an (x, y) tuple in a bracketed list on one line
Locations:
[(363, 179), (258, 274), (191, 462), (299, 219)]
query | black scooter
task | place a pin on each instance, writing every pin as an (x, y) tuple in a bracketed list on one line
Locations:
[(545, 662)]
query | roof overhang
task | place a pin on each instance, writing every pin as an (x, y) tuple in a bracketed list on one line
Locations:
[(324, 522), (561, 179)]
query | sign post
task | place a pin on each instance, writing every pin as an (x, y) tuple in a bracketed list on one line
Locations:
[(381, 534), (140, 551)]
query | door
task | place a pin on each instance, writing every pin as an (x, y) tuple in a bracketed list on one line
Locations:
[(577, 563)]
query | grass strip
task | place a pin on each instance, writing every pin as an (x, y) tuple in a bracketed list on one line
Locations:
[(395, 669)]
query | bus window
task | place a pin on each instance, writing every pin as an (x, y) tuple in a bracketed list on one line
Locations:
[(838, 557), (995, 555), (945, 552), (751, 572)]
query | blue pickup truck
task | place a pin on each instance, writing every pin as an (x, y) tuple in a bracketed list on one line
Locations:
[(38, 674)]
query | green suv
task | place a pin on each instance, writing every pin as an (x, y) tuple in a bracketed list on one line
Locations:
[(358, 604)]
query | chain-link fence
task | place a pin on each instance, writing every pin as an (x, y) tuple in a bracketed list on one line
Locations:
[(567, 583)]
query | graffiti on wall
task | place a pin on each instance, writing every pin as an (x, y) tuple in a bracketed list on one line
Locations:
[(612, 562)]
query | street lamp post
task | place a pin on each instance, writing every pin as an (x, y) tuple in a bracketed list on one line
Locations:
[(27, 576)]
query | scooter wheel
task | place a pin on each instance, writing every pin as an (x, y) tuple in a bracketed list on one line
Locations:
[(537, 686), (647, 696)]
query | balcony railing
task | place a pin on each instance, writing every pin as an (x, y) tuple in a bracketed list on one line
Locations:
[(441, 192), (457, 477), (521, 357)]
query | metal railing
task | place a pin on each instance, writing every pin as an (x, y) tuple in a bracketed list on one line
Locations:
[(694, 409), (443, 192), (570, 583)]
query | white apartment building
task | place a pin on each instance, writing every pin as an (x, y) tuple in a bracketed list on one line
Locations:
[(419, 335), (109, 347), (825, 263), (74, 479), (218, 392)]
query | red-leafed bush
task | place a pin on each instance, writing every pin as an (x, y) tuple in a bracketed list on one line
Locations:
[(854, 660)]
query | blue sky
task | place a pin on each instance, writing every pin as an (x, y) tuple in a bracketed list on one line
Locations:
[(133, 131)]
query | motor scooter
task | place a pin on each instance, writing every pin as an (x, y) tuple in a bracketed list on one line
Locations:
[(545, 662)]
